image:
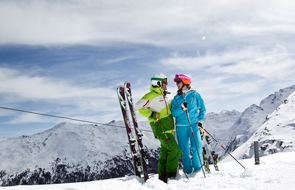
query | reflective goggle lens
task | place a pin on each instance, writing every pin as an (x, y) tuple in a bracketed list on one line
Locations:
[(165, 81)]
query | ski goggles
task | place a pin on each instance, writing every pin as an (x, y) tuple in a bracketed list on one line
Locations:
[(178, 81), (165, 80)]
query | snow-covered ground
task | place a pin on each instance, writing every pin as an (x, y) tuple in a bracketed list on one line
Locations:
[(275, 171)]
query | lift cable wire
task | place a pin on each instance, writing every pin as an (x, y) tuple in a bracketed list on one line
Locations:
[(63, 117), (73, 119)]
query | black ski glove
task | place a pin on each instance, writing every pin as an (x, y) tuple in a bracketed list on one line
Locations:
[(184, 106)]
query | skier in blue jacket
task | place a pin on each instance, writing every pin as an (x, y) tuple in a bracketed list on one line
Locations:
[(188, 103)]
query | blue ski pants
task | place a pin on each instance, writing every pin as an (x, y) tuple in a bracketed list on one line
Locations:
[(190, 143)]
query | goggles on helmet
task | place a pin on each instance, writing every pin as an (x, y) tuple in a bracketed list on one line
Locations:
[(164, 80)]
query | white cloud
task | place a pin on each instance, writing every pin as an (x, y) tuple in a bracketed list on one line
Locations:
[(27, 118), (158, 22), (41, 88), (222, 77), (60, 95), (42, 22), (274, 63)]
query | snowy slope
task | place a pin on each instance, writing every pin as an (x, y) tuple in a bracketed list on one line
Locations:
[(254, 116), (230, 177), (219, 125), (276, 134)]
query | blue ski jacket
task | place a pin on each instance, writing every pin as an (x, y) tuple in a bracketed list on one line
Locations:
[(195, 106)]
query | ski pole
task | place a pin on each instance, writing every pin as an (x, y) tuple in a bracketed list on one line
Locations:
[(190, 124), (221, 145)]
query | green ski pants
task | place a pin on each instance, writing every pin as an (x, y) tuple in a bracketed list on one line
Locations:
[(169, 155)]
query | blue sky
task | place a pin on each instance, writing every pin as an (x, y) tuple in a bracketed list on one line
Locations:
[(67, 57)]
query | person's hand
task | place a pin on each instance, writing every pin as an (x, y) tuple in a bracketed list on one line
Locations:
[(184, 106), (200, 124), (157, 116)]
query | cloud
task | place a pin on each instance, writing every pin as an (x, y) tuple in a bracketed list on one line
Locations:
[(155, 22), (224, 76), (41, 88), (27, 118), (42, 22), (53, 95), (271, 64)]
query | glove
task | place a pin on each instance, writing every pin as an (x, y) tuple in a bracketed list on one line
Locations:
[(184, 106), (200, 124)]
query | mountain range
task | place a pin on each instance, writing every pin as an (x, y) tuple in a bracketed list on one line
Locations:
[(71, 152), (254, 116), (276, 134)]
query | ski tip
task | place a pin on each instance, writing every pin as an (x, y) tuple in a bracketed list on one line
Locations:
[(127, 84), (119, 87)]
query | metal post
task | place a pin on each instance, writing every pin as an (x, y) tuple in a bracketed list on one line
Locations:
[(256, 153)]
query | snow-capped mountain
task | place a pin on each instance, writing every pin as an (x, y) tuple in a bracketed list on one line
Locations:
[(70, 150), (275, 135), (219, 125), (254, 116)]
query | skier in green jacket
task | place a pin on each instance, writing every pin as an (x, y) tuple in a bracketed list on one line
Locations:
[(156, 107)]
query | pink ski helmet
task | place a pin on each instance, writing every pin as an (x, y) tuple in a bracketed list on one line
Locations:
[(183, 78)]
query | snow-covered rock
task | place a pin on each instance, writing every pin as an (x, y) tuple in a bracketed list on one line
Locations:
[(254, 116), (277, 134)]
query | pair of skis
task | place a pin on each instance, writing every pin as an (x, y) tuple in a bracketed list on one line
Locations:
[(208, 154), (139, 154)]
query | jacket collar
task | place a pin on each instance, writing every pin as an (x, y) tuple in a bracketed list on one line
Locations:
[(157, 90)]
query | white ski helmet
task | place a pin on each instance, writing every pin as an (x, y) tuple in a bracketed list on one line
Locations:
[(158, 79)]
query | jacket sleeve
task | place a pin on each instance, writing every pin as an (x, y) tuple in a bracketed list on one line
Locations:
[(202, 108), (175, 108), (140, 107)]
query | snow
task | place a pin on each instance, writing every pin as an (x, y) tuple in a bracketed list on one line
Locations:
[(74, 144), (276, 134), (255, 116), (275, 171)]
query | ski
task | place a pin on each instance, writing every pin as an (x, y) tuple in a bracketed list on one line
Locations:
[(212, 155), (131, 139), (205, 160), (209, 155), (138, 132)]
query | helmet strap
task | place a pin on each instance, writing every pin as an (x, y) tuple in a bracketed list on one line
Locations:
[(159, 83), (179, 92)]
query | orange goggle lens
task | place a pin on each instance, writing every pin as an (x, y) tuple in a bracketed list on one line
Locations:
[(165, 81)]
